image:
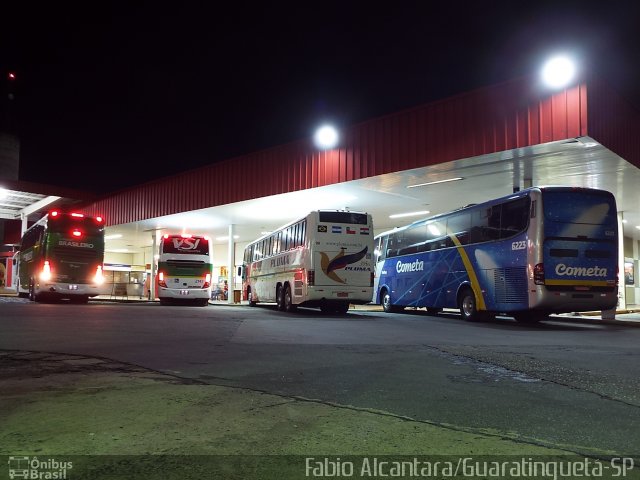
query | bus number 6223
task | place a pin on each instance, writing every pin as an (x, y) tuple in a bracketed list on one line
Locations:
[(521, 245)]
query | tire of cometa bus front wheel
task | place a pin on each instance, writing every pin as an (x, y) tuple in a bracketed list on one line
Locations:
[(468, 306)]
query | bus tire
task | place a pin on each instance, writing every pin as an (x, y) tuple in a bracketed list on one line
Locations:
[(203, 302), (252, 302), (280, 297), (468, 306), (288, 301), (342, 309), (32, 291), (165, 301), (385, 301)]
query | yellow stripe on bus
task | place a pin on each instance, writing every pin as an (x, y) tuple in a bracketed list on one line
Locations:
[(590, 283), (475, 285)]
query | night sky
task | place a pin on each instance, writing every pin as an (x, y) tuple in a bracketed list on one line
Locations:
[(112, 94)]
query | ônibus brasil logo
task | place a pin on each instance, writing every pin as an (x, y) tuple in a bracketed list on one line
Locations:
[(186, 243), (35, 468)]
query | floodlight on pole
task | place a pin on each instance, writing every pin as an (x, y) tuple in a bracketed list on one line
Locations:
[(326, 137), (559, 71)]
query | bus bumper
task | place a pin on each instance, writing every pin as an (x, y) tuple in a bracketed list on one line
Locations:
[(184, 293), (353, 295), (68, 289)]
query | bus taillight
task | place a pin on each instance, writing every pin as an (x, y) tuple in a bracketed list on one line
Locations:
[(77, 215), (99, 219), (99, 278), (76, 233), (45, 275), (54, 213), (207, 281), (538, 274), (311, 277), (161, 281)]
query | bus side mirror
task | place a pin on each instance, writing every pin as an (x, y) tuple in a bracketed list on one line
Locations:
[(241, 271)]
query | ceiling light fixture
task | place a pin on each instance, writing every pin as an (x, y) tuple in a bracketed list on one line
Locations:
[(409, 214), (437, 181)]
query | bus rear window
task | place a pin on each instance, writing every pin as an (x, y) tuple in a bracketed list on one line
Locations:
[(190, 245), (586, 207), (343, 217)]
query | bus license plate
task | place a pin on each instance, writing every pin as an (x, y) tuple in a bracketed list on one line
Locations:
[(184, 292), (343, 294)]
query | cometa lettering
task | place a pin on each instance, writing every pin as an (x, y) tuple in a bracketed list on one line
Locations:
[(415, 266), (564, 270)]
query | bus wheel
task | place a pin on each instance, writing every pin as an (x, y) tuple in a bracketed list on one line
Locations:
[(280, 297), (252, 303), (385, 301), (32, 291), (288, 301), (343, 308), (468, 307), (203, 302)]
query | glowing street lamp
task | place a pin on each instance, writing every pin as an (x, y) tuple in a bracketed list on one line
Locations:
[(326, 137), (559, 71)]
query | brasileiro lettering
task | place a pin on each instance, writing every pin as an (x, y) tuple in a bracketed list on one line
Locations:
[(564, 270), (69, 243), (415, 266)]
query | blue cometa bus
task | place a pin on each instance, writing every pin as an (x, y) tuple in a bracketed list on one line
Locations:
[(540, 251)]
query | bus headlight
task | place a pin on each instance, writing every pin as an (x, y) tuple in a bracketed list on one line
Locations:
[(45, 275), (99, 278)]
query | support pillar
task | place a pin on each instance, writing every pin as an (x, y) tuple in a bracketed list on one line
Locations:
[(154, 267), (230, 264), (23, 228)]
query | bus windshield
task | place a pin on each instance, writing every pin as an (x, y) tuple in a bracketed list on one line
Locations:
[(66, 224)]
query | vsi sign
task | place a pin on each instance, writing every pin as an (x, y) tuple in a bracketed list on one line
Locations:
[(186, 243)]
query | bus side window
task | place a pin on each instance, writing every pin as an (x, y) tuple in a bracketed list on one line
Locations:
[(485, 225), (515, 217), (459, 225)]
